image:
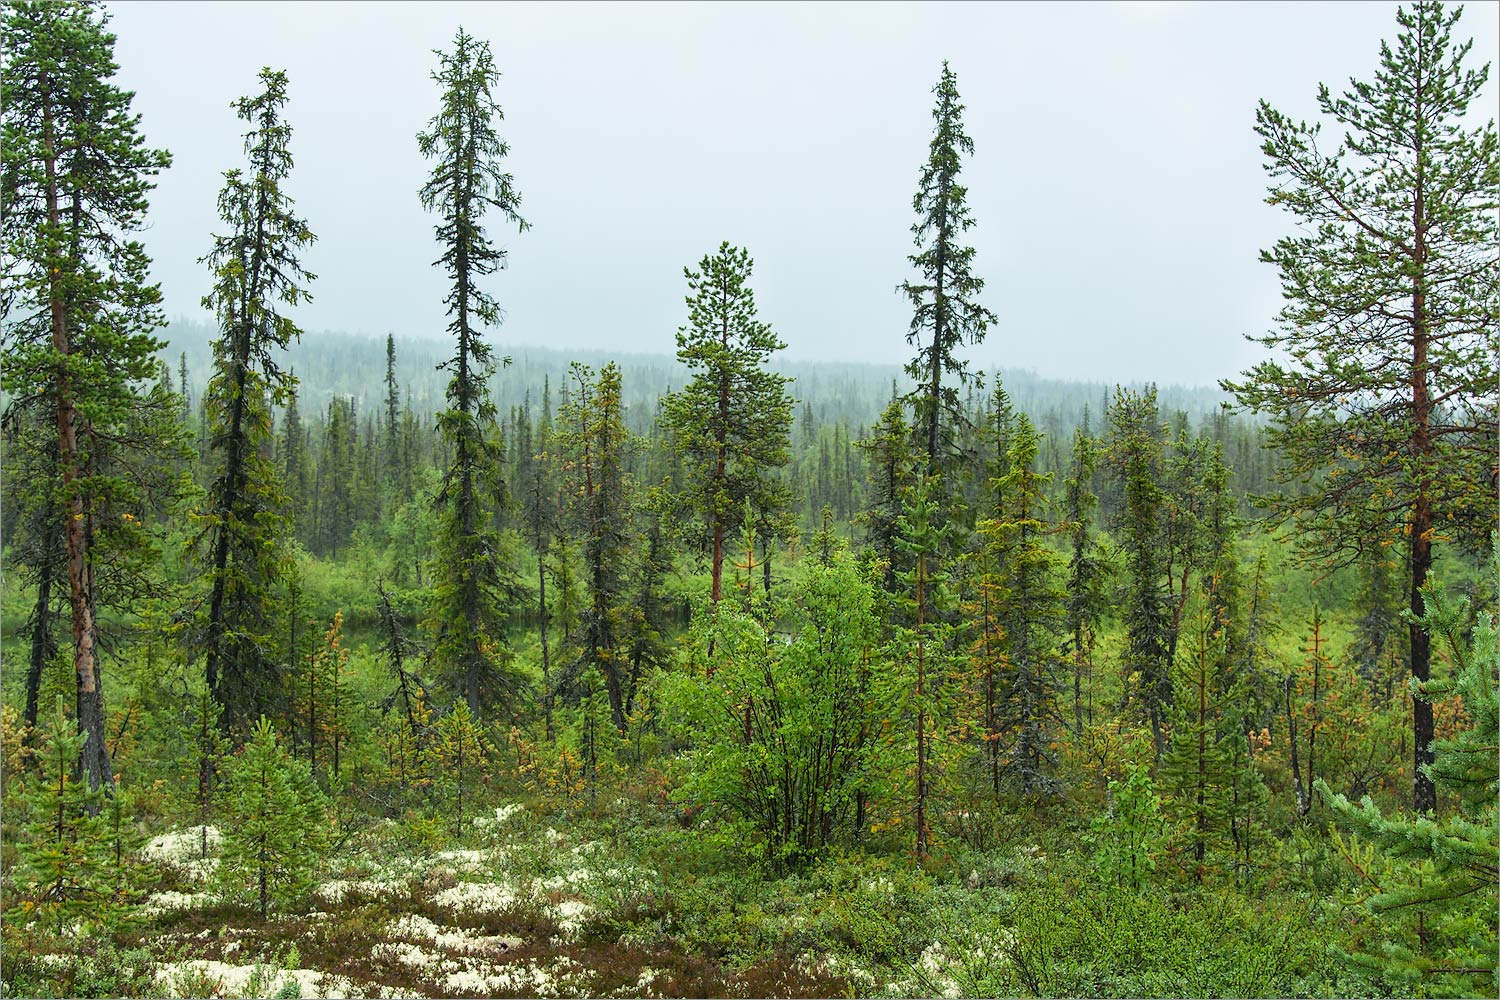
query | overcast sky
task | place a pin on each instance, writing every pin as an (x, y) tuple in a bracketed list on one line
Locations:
[(1116, 180)]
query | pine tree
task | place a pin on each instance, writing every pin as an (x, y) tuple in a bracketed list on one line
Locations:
[(80, 311), (63, 868), (468, 608), (458, 747), (732, 421), (1385, 416), (1434, 890), (946, 314), (256, 271), (276, 827)]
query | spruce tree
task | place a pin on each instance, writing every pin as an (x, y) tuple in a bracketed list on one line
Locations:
[(1086, 569), (920, 653), (468, 609), (593, 437), (946, 313), (391, 431), (1136, 457), (1031, 614), (1384, 412), (891, 472), (80, 311), (732, 421), (256, 273), (294, 463)]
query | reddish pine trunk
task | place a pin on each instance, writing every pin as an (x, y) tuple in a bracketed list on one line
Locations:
[(76, 534)]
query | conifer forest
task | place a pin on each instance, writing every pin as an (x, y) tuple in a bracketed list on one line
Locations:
[(447, 666)]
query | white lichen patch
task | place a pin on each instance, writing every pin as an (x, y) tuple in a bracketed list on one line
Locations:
[(500, 817), (179, 978), (835, 964), (335, 892), (528, 978), (174, 902), (570, 915), (464, 862), (476, 897), (414, 927), (182, 847), (404, 953)]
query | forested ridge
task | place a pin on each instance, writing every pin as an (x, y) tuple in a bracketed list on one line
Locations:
[(407, 666)]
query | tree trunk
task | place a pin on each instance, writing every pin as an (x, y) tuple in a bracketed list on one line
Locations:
[(921, 711), (42, 649), (1424, 793), (76, 536)]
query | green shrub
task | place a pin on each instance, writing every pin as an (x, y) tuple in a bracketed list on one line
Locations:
[(277, 824)]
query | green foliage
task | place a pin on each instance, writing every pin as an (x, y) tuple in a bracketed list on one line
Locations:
[(1020, 582), (69, 873), (1202, 770), (732, 421), (890, 470), (1070, 941), (914, 684), (1129, 837), (595, 445), (276, 825), (1136, 457), (256, 270), (471, 593), (79, 341), (458, 750), (781, 732), (1435, 897), (945, 313), (1384, 411)]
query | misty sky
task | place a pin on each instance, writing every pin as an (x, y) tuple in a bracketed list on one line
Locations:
[(1117, 180)]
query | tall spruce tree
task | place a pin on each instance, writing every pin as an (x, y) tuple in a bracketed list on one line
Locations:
[(1086, 570), (1136, 457), (1031, 614), (256, 271), (592, 434), (1385, 411), (944, 299), (732, 421), (80, 310), (467, 180)]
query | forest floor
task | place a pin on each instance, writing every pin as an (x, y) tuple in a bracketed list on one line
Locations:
[(631, 897), (516, 908)]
